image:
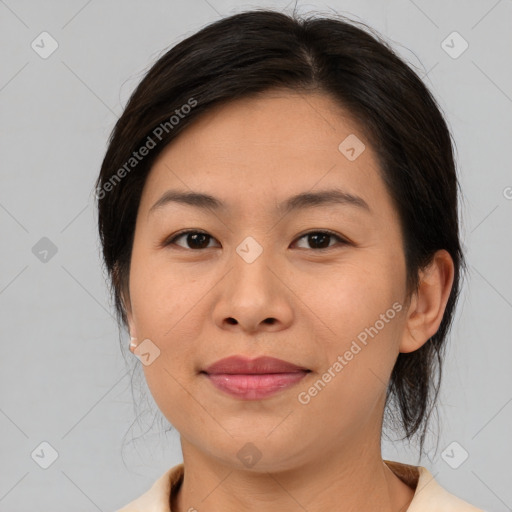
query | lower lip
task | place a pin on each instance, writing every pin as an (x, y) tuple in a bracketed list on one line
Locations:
[(255, 387)]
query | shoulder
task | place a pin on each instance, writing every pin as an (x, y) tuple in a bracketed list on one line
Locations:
[(429, 495), (157, 498)]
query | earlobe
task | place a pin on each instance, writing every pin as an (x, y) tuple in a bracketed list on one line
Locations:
[(428, 304)]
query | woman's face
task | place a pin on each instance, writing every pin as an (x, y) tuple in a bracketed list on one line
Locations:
[(255, 284)]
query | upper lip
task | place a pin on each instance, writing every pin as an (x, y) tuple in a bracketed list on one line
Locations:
[(260, 365)]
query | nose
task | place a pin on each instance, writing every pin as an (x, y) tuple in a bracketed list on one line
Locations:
[(254, 297)]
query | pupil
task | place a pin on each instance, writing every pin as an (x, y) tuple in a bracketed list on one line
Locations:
[(322, 237), (197, 238)]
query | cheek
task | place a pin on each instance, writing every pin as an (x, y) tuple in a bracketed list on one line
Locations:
[(166, 306), (350, 387), (174, 396), (161, 294), (361, 320), (353, 296)]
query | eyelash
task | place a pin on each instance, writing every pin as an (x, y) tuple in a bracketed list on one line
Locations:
[(172, 240)]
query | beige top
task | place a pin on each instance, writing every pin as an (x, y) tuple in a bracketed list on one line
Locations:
[(429, 496)]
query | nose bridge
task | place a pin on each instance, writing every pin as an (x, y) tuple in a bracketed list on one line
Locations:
[(250, 250), (253, 295), (252, 263)]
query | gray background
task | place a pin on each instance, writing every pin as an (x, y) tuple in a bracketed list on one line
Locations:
[(63, 377)]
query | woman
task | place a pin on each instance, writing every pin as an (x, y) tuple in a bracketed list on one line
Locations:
[(278, 216)]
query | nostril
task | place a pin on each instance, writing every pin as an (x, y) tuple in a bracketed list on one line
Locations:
[(232, 321)]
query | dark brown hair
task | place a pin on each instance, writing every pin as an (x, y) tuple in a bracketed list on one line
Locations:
[(258, 50)]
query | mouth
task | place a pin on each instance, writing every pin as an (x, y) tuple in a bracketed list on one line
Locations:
[(254, 379)]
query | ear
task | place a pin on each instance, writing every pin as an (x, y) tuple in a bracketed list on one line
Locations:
[(131, 323), (428, 303), (122, 285), (129, 317)]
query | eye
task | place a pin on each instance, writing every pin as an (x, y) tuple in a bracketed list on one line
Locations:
[(195, 239), (320, 239)]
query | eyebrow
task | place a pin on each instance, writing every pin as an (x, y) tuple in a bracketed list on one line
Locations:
[(297, 202)]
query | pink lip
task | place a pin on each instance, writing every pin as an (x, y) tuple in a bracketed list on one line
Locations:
[(260, 365), (254, 379)]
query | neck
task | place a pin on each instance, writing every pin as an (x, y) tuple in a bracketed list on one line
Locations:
[(355, 478)]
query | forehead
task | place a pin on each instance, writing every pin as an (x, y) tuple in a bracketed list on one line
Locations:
[(271, 145), (276, 118)]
